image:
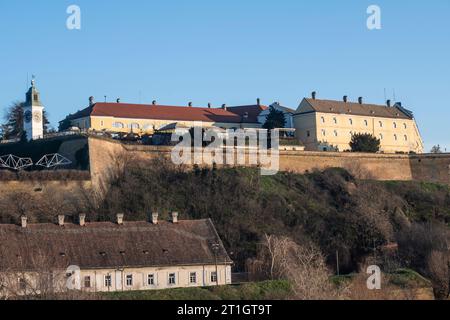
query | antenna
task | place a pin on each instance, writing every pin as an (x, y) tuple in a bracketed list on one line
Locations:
[(395, 99), (105, 97)]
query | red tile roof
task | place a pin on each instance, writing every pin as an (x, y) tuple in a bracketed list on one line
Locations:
[(172, 113)]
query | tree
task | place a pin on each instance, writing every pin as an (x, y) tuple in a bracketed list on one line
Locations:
[(364, 142), (436, 149), (64, 124), (275, 119), (13, 127)]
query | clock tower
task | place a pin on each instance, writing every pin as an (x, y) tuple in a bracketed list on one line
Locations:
[(33, 114)]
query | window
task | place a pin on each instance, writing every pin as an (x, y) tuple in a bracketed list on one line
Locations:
[(118, 125), (135, 126), (335, 120), (108, 281), (308, 133), (395, 137), (395, 125), (151, 279), (406, 137), (101, 123), (351, 121), (130, 280), (36, 97), (366, 123), (381, 124), (87, 282), (172, 278), (324, 132), (381, 136), (193, 277), (213, 276), (322, 119), (335, 133)]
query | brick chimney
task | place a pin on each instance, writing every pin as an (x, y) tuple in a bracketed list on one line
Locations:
[(190, 104), (155, 217), (154, 102), (360, 100), (209, 105), (175, 217), (258, 102), (118, 100), (224, 106), (24, 221), (82, 219), (313, 95), (119, 217), (61, 219)]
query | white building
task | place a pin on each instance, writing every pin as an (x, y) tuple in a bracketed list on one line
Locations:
[(109, 257), (33, 117)]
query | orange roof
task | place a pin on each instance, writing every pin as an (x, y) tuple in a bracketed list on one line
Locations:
[(172, 113)]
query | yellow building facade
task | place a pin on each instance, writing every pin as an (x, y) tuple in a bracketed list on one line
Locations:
[(328, 125)]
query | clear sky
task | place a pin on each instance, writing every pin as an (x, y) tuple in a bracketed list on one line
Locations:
[(230, 52)]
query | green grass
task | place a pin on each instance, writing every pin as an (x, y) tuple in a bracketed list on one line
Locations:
[(407, 278), (267, 290)]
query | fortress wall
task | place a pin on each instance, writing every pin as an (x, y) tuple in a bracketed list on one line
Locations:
[(429, 168)]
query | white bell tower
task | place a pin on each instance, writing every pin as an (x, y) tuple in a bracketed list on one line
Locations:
[(33, 114)]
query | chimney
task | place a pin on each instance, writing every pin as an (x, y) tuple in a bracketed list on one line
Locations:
[(155, 217), (360, 100), (258, 102), (175, 217), (119, 217), (345, 99), (61, 218), (224, 107), (82, 219), (399, 104), (209, 105), (388, 103), (24, 221), (154, 102), (118, 100), (313, 94), (190, 104), (91, 101)]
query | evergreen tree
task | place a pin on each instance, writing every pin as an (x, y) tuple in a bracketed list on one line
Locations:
[(364, 142), (275, 119)]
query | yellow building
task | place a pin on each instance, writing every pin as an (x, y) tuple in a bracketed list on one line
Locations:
[(328, 125), (141, 119)]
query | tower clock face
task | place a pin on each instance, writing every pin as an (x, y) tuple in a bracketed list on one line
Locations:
[(37, 116), (28, 116)]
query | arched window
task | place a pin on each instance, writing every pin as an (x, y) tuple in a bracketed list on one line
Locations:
[(118, 125), (324, 133), (351, 121), (381, 124), (335, 120), (322, 119), (395, 137), (335, 133), (405, 126), (381, 136), (406, 137), (366, 123), (395, 125)]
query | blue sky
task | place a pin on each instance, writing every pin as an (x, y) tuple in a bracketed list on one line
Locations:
[(230, 52)]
